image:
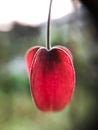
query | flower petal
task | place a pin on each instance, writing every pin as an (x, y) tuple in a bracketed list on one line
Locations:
[(52, 79), (29, 57)]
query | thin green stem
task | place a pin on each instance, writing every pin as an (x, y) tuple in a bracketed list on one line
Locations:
[(48, 27)]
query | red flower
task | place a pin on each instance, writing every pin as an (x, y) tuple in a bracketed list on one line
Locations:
[(51, 74), (52, 77)]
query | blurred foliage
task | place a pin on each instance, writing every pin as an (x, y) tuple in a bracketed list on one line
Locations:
[(17, 111)]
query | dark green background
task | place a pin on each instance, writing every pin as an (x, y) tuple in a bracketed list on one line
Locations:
[(17, 111)]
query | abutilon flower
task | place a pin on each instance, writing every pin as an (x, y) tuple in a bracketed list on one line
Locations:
[(52, 76)]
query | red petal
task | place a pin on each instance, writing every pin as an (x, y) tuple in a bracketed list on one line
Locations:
[(52, 79), (29, 57), (67, 51)]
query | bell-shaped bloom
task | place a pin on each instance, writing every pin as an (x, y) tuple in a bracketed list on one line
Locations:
[(52, 77)]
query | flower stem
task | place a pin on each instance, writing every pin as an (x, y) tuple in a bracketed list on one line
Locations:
[(48, 27)]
